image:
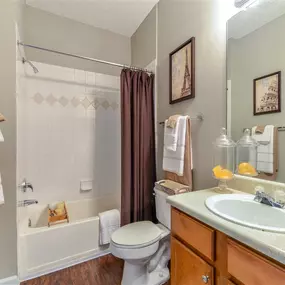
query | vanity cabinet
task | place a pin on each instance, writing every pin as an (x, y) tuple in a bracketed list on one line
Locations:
[(251, 268), (203, 255), (187, 268)]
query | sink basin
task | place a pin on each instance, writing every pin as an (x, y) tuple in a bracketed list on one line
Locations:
[(242, 209)]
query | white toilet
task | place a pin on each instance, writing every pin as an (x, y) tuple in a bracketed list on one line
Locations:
[(145, 247)]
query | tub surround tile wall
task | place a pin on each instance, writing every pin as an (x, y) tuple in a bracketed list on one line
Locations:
[(75, 102), (68, 131)]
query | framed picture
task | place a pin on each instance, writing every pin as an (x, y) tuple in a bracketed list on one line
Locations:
[(182, 72), (267, 94)]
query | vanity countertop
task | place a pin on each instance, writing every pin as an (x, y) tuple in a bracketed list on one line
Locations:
[(193, 204)]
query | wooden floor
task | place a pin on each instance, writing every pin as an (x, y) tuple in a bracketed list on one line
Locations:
[(106, 270)]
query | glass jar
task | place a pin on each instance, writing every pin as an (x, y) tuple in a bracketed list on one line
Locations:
[(224, 159), (246, 155)]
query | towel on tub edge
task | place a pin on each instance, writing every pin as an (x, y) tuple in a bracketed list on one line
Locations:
[(1, 192), (109, 222)]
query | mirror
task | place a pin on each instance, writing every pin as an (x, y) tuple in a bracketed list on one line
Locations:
[(255, 77)]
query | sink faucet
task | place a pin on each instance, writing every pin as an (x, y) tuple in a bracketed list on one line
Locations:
[(266, 199), (25, 203)]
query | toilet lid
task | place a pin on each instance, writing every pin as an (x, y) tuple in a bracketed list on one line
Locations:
[(136, 234)]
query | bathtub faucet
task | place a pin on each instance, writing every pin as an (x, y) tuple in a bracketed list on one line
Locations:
[(25, 203), (26, 185)]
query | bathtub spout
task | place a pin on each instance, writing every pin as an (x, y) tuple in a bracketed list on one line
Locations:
[(25, 203)]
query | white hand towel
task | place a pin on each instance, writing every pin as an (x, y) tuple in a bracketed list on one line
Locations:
[(173, 161), (1, 137), (1, 192), (171, 136), (109, 222), (265, 137), (265, 149)]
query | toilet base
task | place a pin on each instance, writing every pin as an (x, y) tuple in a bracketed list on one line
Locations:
[(138, 275)]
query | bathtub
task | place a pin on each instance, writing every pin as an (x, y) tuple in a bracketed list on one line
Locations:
[(43, 249)]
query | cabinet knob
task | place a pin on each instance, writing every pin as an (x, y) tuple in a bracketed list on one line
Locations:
[(205, 279)]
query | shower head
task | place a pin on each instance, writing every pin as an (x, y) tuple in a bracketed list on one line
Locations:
[(33, 67)]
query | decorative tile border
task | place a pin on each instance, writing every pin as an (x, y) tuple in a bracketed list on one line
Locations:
[(75, 102)]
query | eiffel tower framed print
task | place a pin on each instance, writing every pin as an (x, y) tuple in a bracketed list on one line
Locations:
[(182, 72), (267, 94)]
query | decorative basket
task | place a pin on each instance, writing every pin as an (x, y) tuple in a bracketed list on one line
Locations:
[(54, 218)]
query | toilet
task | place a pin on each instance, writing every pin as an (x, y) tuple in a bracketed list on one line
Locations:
[(145, 247)]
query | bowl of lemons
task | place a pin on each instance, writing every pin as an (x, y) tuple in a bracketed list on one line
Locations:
[(245, 168)]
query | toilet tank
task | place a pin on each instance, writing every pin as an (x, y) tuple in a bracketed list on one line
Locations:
[(163, 209)]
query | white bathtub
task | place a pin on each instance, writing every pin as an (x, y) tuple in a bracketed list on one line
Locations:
[(43, 249)]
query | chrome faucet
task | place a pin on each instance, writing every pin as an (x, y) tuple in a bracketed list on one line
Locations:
[(26, 185), (25, 203), (266, 199)]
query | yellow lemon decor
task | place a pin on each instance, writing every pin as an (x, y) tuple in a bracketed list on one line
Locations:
[(246, 168), (222, 173)]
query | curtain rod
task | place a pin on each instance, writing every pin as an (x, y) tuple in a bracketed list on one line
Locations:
[(84, 57)]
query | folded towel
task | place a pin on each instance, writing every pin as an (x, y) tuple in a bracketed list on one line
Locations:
[(1, 192), (259, 129), (265, 149), (171, 187), (2, 118), (173, 161), (1, 137), (187, 178), (272, 176), (265, 136), (172, 121), (171, 136), (109, 222)]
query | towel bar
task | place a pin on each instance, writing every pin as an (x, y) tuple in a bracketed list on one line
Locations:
[(279, 129), (199, 117)]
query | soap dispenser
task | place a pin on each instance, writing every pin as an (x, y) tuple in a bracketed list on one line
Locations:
[(246, 155), (224, 160)]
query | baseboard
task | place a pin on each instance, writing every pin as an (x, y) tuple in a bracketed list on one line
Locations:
[(59, 265), (13, 280)]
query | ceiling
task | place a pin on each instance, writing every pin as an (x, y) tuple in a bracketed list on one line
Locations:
[(259, 14), (119, 16)]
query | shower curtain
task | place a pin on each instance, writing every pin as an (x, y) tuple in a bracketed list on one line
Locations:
[(138, 146)]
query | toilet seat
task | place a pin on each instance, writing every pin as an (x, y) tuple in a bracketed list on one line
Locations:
[(136, 235)]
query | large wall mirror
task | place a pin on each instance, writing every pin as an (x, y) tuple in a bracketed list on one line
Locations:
[(256, 82)]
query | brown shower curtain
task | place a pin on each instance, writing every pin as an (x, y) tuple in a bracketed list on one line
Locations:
[(138, 146)]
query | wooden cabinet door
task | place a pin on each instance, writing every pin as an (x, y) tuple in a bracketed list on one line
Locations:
[(187, 268), (250, 268)]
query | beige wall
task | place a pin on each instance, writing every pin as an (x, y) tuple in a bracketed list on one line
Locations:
[(54, 32), (8, 235), (177, 22), (255, 55), (143, 41)]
